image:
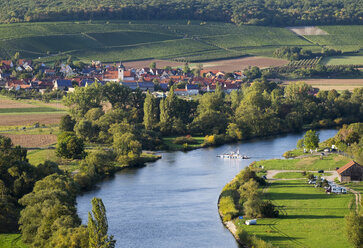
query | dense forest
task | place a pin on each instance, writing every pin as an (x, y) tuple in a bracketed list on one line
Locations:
[(135, 121), (260, 12)]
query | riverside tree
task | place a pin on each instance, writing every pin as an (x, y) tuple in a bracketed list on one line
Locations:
[(69, 146), (98, 226), (311, 139)]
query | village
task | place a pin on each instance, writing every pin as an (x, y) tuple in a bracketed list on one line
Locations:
[(25, 75)]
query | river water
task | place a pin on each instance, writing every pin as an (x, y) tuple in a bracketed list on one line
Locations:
[(173, 202)]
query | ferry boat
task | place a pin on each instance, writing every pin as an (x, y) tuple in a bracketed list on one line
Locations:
[(233, 155)]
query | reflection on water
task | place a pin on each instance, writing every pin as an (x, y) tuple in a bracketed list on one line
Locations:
[(173, 202)]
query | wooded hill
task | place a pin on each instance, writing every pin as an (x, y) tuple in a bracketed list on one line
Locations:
[(260, 12)]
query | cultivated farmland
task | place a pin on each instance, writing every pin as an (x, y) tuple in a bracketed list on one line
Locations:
[(111, 41), (337, 84), (29, 119), (32, 140)]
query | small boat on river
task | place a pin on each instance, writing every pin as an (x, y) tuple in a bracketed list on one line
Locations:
[(233, 155)]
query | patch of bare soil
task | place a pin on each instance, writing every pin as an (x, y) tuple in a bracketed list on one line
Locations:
[(230, 65), (328, 84), (226, 65), (29, 119), (32, 140), (146, 63), (307, 30)]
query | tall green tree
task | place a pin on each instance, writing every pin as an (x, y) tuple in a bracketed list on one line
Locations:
[(311, 139), (149, 111), (98, 226)]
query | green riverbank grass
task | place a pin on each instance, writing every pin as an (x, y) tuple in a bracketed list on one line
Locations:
[(309, 217), (168, 143), (290, 175), (11, 241), (312, 163)]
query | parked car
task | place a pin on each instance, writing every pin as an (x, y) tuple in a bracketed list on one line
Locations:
[(320, 171)]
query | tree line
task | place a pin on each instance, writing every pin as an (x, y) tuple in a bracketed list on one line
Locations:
[(40, 201), (131, 120), (262, 12)]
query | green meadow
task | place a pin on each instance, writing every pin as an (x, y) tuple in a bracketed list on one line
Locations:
[(11, 241), (110, 41), (312, 163), (308, 217), (29, 110)]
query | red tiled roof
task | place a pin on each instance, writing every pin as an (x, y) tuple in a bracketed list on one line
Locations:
[(6, 62), (111, 75), (127, 74), (347, 166)]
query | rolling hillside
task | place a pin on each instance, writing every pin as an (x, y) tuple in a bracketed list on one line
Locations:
[(110, 41)]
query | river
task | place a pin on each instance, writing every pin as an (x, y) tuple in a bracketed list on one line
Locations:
[(173, 202)]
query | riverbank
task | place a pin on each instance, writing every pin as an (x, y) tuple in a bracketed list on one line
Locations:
[(299, 206)]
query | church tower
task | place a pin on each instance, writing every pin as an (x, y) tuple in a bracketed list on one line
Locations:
[(121, 70)]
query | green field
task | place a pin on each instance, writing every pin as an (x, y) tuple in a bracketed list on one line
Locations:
[(312, 163), (29, 110), (345, 38), (111, 41), (11, 241), (343, 60), (289, 175), (308, 217)]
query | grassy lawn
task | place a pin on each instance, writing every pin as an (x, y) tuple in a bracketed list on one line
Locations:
[(168, 141), (11, 241), (39, 156), (329, 162), (309, 217), (283, 175), (358, 186)]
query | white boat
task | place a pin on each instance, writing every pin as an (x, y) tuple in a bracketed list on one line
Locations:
[(233, 155)]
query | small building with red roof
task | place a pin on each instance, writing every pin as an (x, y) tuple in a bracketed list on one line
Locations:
[(352, 171)]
